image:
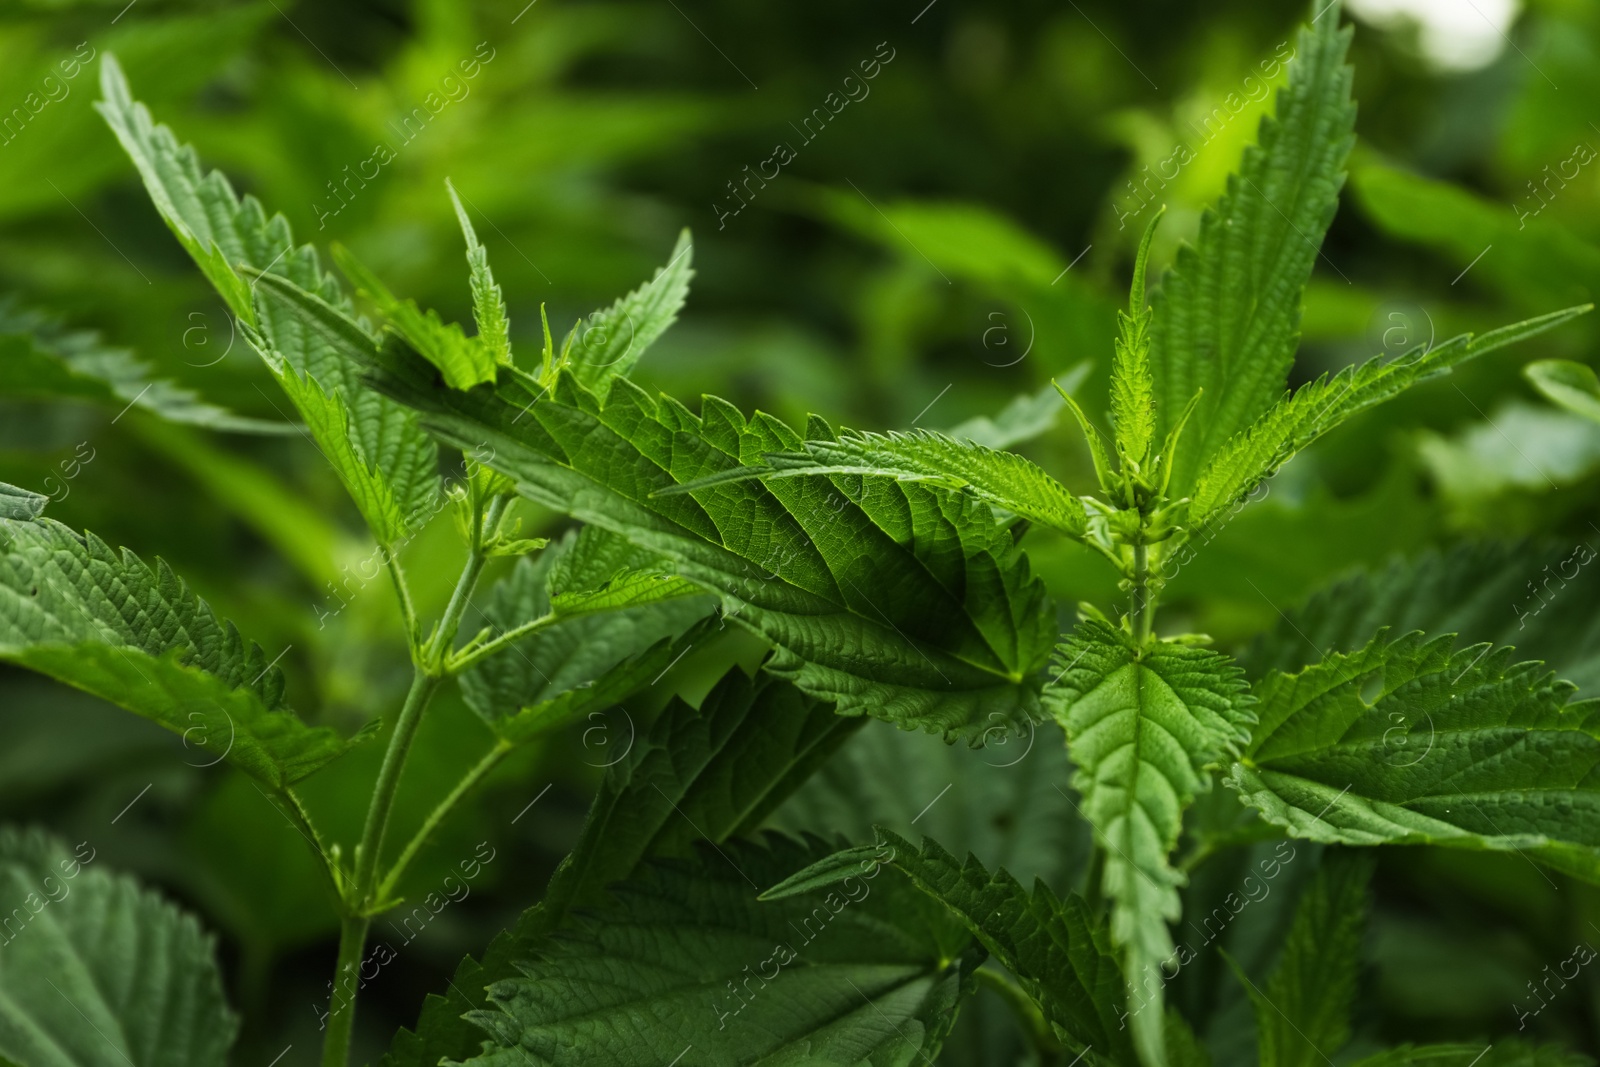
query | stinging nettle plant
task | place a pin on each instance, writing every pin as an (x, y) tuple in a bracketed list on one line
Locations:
[(886, 573)]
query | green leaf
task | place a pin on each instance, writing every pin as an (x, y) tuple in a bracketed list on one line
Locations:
[(279, 513), (1001, 479), (1028, 416), (355, 426), (1004, 802), (715, 771), (1474, 470), (329, 420), (889, 599), (1538, 262), (1059, 952), (39, 360), (1303, 1016), (596, 650), (1407, 742), (488, 304), (860, 974), (99, 972), (1227, 315), (73, 608), (1537, 597), (1572, 385), (463, 361), (613, 340), (1183, 1047), (20, 504), (1144, 725), (1499, 1054), (1314, 409), (1133, 404)]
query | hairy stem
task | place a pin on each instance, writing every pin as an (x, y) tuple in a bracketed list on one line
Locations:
[(472, 655), (423, 686), (489, 762), (1141, 606), (427, 675), (402, 592), (342, 999)]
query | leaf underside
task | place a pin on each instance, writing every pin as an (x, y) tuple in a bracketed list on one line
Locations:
[(79, 611), (371, 441), (1143, 727)]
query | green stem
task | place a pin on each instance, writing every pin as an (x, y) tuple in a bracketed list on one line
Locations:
[(408, 609), (423, 686), (1094, 877), (1027, 1012), (346, 980), (489, 762), (427, 675), (1141, 609), (474, 654)]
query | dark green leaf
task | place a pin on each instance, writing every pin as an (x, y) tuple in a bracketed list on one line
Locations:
[(98, 972)]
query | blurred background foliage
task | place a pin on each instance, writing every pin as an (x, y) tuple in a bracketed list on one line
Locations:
[(955, 235)]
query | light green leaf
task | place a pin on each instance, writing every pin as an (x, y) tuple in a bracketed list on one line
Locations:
[(463, 361), (39, 360), (328, 419), (1314, 409), (1227, 315), (1028, 416), (488, 304), (1004, 480), (225, 234), (99, 972), (73, 608), (1572, 385), (1537, 261), (1407, 742), (1144, 726), (887, 598), (868, 973), (1133, 404), (716, 770), (1055, 947), (1474, 468), (20, 504), (613, 339), (1303, 1016)]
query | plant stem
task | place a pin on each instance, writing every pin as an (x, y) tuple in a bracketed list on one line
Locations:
[(402, 591), (1141, 608), (423, 686), (489, 762), (427, 675), (1027, 1013), (346, 979), (470, 656), (1094, 877)]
